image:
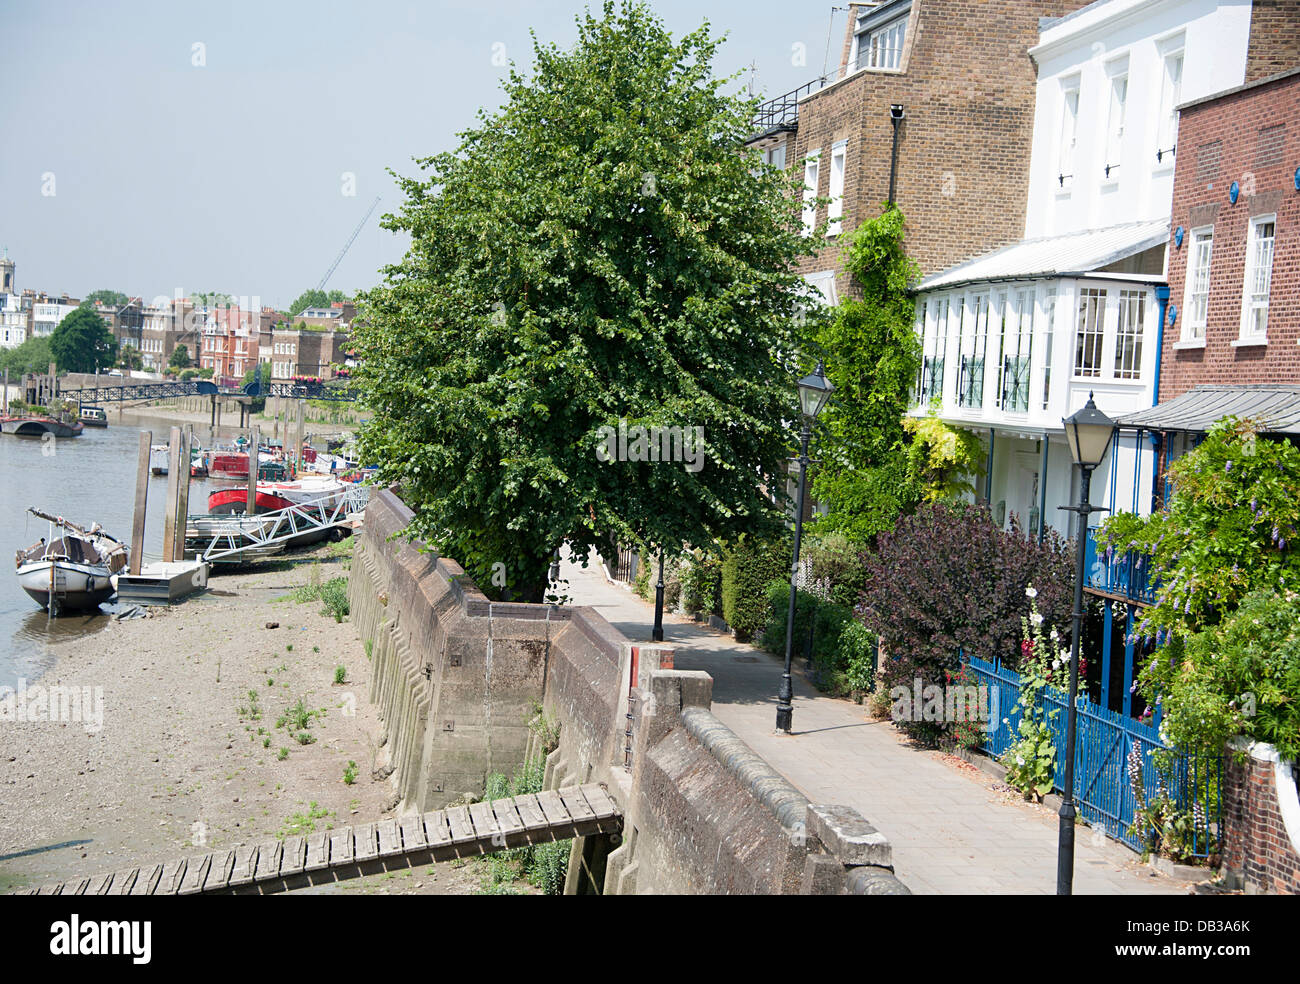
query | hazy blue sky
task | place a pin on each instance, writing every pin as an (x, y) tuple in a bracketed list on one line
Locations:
[(228, 176)]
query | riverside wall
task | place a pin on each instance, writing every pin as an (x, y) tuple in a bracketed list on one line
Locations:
[(458, 677)]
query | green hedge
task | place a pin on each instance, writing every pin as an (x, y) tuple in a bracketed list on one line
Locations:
[(747, 570), (843, 650), (701, 576)]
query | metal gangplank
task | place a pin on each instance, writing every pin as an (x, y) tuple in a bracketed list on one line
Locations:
[(349, 852), (237, 537)]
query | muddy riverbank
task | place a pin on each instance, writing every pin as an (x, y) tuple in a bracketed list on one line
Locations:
[(216, 730)]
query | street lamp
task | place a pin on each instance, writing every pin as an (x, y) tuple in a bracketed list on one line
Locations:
[(1088, 433), (814, 390)]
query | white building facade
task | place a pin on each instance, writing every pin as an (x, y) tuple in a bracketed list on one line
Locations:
[(1016, 340)]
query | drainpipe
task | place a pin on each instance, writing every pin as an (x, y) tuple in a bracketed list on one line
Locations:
[(896, 116), (1162, 302)]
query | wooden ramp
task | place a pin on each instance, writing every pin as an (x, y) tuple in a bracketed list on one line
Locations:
[(364, 849)]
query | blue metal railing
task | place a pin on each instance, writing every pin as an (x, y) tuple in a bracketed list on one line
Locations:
[(1128, 574), (1104, 740)]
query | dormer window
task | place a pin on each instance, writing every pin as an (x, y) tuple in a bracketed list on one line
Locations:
[(878, 37)]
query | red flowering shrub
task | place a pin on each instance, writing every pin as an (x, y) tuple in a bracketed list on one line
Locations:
[(948, 579)]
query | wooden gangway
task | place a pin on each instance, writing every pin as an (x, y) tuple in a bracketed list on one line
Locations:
[(368, 848)]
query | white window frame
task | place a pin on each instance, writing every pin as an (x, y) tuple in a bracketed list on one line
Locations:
[(1068, 140), (1130, 327), (835, 208), (1196, 288), (811, 173), (885, 44), (1254, 273), (1173, 64), (1096, 332), (1116, 119)]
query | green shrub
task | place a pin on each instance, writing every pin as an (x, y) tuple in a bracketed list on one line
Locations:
[(701, 579), (843, 650), (836, 563), (747, 570)]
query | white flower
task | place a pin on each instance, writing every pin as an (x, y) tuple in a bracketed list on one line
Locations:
[(1031, 592), (1036, 618), (1056, 664), (1019, 760)]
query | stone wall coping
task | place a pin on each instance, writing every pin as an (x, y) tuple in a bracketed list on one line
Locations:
[(845, 833), (768, 786)]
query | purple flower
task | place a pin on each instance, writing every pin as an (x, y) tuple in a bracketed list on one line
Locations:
[(1133, 689), (1227, 468)]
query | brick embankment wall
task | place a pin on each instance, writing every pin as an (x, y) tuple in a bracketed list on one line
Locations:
[(457, 677), (1261, 817)]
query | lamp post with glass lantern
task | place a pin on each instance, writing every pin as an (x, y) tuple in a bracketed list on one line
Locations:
[(814, 390), (1088, 432)]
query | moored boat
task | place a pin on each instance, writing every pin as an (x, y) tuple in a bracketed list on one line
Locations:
[(277, 495), (72, 571), (39, 425), (93, 416)]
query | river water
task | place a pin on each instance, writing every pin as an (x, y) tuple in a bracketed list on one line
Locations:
[(87, 479)]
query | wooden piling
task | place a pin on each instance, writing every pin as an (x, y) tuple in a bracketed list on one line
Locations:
[(183, 492), (141, 501), (173, 477), (254, 441), (298, 438)]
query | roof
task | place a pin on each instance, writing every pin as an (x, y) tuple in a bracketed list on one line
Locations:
[(1059, 256), (1257, 84), (1277, 408)]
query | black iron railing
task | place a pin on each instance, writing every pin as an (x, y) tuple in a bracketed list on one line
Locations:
[(782, 113)]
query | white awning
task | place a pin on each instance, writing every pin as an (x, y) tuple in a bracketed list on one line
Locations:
[(1055, 256)]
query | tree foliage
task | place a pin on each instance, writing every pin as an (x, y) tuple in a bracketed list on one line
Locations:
[(83, 343), (111, 298), (1229, 529), (598, 251), (33, 355), (315, 298), (180, 357)]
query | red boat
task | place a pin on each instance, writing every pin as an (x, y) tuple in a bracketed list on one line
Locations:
[(277, 495)]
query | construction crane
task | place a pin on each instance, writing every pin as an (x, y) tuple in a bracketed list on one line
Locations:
[(344, 251)]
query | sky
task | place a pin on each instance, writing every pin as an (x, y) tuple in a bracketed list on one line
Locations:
[(162, 147)]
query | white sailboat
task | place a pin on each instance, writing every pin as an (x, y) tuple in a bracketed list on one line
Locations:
[(73, 570)]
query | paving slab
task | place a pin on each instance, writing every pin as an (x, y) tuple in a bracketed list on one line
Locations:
[(952, 827)]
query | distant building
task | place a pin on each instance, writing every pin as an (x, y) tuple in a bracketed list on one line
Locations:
[(15, 309), (304, 352), (167, 323), (48, 313), (125, 321)]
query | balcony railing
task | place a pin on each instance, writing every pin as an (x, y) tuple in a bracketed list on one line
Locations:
[(1127, 575), (782, 113)]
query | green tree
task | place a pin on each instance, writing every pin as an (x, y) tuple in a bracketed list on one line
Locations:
[(129, 357), (112, 298), (180, 358), (315, 299), (32, 355), (83, 343), (599, 251)]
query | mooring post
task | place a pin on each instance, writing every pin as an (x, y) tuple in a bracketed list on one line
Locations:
[(297, 448), (183, 489), (254, 439), (173, 476), (141, 500)]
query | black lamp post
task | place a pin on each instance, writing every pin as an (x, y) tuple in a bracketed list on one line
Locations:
[(657, 633), (1089, 433), (814, 390)]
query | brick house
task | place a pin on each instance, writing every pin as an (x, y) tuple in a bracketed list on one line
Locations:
[(961, 73), (1234, 269)]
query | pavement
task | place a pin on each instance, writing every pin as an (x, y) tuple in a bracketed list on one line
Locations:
[(954, 828)]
